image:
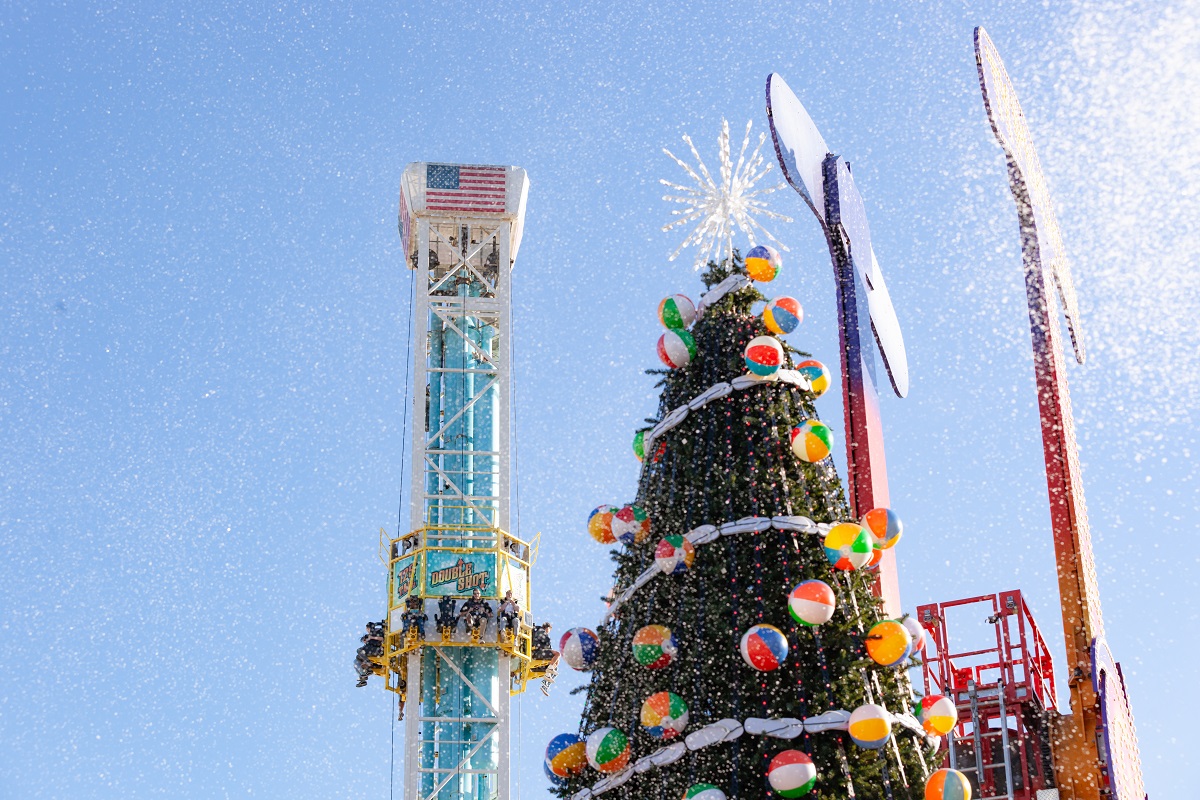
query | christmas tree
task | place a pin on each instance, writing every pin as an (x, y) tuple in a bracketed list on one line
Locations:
[(736, 499)]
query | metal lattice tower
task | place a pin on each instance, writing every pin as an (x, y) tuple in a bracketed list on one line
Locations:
[(461, 227)]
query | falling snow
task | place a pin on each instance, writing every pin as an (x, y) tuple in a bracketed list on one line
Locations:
[(203, 336)]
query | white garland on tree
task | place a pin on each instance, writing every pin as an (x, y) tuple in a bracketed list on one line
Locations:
[(726, 730), (676, 416), (708, 533)]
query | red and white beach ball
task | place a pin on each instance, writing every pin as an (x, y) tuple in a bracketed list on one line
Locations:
[(764, 356), (631, 525), (764, 647), (579, 648), (792, 774), (812, 603), (676, 348)]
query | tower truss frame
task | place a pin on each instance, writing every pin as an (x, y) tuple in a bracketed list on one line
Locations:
[(460, 226)]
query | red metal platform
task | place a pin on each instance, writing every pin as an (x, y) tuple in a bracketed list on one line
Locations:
[(1004, 693)]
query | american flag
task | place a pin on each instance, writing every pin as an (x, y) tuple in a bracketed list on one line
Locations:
[(465, 188)]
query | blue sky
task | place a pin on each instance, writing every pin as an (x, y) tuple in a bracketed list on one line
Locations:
[(203, 326)]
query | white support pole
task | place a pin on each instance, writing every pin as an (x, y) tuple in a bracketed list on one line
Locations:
[(504, 374), (503, 708), (412, 726), (420, 323)]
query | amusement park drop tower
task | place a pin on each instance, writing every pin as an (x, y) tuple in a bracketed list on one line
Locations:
[(460, 226)]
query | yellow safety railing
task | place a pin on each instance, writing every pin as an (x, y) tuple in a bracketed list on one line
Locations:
[(507, 550)]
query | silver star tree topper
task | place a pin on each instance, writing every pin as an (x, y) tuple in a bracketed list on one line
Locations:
[(720, 209)]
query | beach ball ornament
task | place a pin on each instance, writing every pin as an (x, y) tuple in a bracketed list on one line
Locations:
[(676, 312), (676, 348), (554, 779), (791, 774), (599, 524), (783, 315), (870, 726), (639, 445), (762, 263), (817, 375), (812, 603), (566, 755), (916, 631), (654, 646), (579, 648), (811, 441), (703, 791), (888, 643), (848, 546), (885, 526), (764, 647), (674, 554), (876, 558), (608, 750), (937, 714), (631, 525), (764, 356), (947, 784), (664, 715)]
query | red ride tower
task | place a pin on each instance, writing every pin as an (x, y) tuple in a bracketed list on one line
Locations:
[(1007, 693)]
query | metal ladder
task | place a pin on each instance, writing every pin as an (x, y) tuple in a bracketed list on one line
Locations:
[(978, 735)]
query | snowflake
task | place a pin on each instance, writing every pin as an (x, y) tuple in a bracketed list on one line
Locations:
[(720, 207)]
